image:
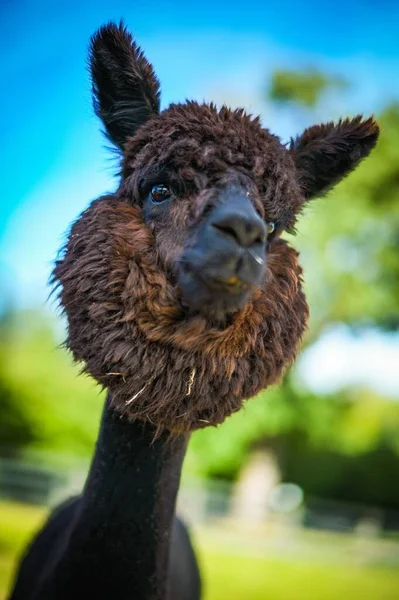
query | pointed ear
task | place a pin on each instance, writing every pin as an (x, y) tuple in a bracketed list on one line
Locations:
[(125, 88), (324, 154)]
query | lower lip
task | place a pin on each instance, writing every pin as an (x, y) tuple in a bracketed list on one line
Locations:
[(233, 287), (236, 287)]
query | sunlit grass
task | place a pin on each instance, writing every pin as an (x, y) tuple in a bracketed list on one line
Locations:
[(17, 524), (238, 576), (233, 571)]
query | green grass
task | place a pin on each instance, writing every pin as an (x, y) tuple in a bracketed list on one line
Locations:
[(240, 571), (17, 524), (241, 577)]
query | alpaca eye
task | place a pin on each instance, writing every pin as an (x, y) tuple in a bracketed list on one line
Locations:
[(270, 226), (160, 193)]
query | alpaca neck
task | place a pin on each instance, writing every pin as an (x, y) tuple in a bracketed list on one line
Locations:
[(119, 542)]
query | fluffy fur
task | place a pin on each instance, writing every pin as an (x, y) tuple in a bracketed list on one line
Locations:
[(163, 364), (125, 88), (326, 153)]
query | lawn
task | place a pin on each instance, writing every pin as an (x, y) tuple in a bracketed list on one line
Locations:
[(238, 576), (17, 523), (237, 571)]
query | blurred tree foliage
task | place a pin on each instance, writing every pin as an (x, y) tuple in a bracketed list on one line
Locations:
[(349, 241), (303, 88), (369, 478), (44, 405), (351, 422)]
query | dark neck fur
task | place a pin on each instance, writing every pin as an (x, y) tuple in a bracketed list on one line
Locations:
[(119, 543)]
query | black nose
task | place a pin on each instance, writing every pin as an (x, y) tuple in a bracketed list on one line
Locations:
[(226, 258), (245, 227)]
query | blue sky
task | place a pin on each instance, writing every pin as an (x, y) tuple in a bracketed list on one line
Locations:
[(53, 156)]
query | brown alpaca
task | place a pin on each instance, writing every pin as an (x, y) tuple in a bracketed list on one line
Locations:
[(182, 300)]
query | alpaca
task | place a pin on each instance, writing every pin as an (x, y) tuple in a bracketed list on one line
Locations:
[(182, 300)]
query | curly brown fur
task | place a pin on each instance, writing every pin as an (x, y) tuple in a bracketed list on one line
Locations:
[(126, 323), (177, 368)]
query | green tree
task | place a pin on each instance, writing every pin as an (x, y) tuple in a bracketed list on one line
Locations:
[(303, 88), (349, 241), (44, 404)]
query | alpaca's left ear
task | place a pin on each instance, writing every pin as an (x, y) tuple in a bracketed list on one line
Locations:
[(324, 154), (125, 88)]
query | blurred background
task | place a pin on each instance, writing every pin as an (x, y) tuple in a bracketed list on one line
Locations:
[(297, 496)]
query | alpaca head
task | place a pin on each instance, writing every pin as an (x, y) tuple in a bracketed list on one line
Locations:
[(180, 294)]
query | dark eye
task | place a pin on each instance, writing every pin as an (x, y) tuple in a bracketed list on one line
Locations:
[(160, 193), (270, 226)]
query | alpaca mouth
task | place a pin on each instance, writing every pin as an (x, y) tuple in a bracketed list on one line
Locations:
[(232, 285), (215, 295)]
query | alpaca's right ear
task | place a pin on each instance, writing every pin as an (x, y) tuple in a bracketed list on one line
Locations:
[(125, 88)]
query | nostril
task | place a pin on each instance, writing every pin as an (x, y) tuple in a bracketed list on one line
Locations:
[(227, 230), (243, 230)]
